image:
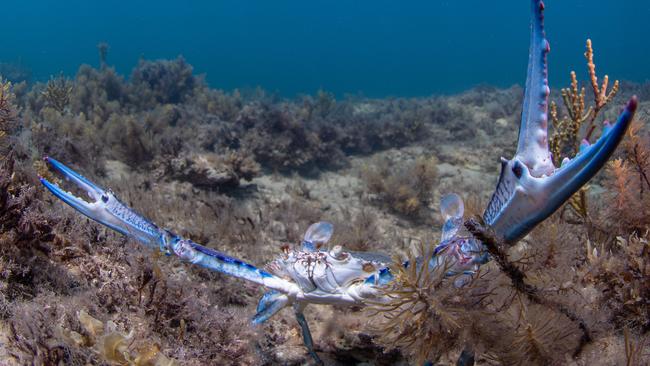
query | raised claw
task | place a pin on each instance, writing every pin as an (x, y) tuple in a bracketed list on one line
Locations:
[(530, 187), (522, 200)]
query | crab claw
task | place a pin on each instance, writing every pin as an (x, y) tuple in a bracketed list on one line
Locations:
[(104, 207), (522, 200), (108, 210), (530, 187), (272, 302), (94, 191)]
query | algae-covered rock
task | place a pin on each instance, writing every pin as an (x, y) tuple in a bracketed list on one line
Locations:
[(209, 170)]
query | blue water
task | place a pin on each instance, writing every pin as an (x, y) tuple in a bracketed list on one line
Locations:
[(373, 47)]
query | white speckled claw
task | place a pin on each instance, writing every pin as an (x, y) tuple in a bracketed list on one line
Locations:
[(104, 208), (532, 147), (530, 188), (522, 200)]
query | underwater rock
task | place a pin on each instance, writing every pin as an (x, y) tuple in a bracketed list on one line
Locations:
[(209, 170)]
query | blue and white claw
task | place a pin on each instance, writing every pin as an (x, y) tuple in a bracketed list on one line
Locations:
[(105, 208), (269, 305), (530, 187)]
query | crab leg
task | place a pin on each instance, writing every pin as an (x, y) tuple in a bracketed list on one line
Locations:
[(108, 210), (306, 333)]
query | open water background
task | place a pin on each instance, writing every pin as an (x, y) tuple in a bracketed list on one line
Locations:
[(376, 48)]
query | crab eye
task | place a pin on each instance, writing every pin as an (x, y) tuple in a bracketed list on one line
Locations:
[(104, 198)]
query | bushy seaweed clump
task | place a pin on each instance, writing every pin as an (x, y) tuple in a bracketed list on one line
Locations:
[(164, 111), (7, 109), (564, 292), (57, 93), (162, 82), (280, 138), (628, 183), (402, 187), (425, 316), (430, 317), (579, 124), (619, 254)]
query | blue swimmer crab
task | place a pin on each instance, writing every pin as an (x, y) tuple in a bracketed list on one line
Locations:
[(530, 188)]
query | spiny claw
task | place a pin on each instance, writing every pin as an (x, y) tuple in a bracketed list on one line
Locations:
[(530, 187), (532, 147), (93, 191), (522, 200), (104, 208)]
